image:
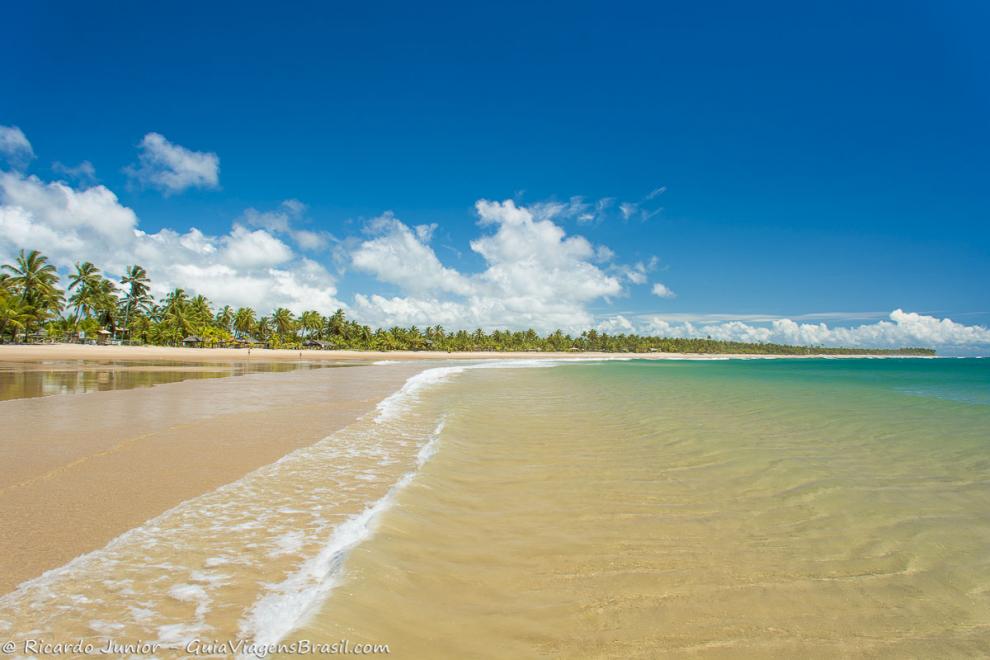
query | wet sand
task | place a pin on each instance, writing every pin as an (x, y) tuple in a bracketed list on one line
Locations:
[(80, 469)]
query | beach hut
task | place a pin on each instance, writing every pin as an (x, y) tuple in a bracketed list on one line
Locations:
[(192, 341), (315, 343), (103, 337)]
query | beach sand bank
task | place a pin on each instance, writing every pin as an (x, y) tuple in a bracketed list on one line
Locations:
[(42, 352), (80, 469)]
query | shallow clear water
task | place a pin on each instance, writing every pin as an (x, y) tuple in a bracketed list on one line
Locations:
[(726, 508), (748, 508)]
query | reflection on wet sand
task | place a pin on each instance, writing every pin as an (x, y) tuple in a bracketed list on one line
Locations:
[(20, 380)]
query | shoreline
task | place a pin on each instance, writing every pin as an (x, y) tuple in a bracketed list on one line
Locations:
[(80, 470), (40, 352)]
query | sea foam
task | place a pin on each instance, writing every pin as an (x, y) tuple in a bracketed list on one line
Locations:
[(288, 604)]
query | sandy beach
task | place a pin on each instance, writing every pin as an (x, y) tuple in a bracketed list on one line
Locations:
[(39, 352), (80, 469), (560, 508)]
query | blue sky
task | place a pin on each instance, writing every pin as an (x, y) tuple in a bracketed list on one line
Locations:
[(823, 159)]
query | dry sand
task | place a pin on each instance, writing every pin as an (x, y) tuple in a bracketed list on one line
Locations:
[(35, 352)]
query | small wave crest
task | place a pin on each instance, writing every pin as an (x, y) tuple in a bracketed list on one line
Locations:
[(288, 604), (400, 401)]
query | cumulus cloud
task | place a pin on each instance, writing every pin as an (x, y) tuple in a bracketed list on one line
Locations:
[(615, 325), (173, 168), (535, 276), (899, 330), (311, 241), (242, 267), (400, 255), (14, 146), (662, 291), (244, 248), (535, 259)]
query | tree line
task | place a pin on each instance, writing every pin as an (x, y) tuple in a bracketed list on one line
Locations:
[(32, 305)]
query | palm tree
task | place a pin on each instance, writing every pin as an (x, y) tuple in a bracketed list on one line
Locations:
[(311, 322), (177, 322), (174, 321), (14, 314), (67, 326), (35, 279), (95, 294), (264, 328), (104, 302), (244, 321), (337, 324), (364, 334), (283, 321), (82, 282), (200, 310), (173, 299), (137, 298), (225, 317)]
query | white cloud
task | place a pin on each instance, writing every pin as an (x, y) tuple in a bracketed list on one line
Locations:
[(60, 217), (172, 168), (311, 241), (575, 208), (535, 259), (635, 276), (902, 329), (535, 276), (399, 255), (243, 248), (425, 232), (14, 146), (662, 291), (242, 267), (383, 312), (615, 325), (283, 220), (637, 272)]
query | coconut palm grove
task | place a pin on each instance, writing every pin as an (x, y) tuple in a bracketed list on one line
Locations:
[(92, 307)]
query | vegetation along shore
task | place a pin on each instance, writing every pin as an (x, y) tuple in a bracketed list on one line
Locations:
[(92, 307)]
